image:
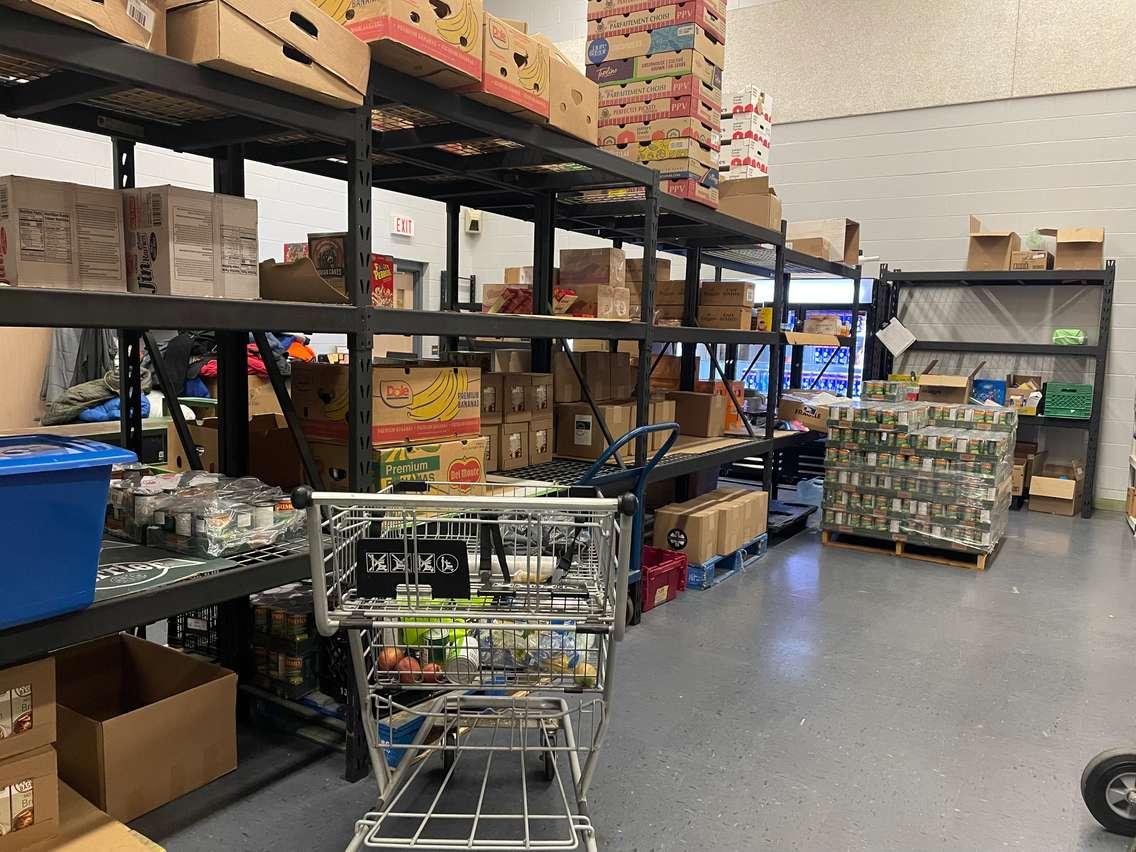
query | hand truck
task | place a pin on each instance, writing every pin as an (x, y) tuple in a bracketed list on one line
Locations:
[(502, 606)]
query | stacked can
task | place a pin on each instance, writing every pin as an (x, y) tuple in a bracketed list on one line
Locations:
[(659, 69), (747, 134), (931, 474)]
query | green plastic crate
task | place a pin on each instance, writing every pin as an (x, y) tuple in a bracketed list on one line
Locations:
[(1071, 401)]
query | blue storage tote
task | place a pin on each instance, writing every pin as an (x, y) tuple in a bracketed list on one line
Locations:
[(53, 493)]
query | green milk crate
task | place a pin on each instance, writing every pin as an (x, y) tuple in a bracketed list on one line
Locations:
[(1071, 401)]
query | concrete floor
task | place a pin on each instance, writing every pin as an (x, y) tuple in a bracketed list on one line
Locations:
[(824, 700)]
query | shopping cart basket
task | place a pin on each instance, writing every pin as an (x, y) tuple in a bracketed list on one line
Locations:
[(501, 605)]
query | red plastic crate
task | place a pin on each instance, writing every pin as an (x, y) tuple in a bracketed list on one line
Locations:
[(664, 576)]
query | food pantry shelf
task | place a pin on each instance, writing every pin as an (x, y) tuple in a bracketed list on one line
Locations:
[(1019, 278)]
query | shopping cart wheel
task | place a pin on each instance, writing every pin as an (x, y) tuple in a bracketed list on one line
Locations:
[(550, 739), (450, 752), (1108, 786)]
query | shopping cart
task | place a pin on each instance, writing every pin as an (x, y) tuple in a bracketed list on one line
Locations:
[(501, 605)]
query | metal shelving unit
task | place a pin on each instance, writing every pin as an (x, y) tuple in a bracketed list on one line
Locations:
[(408, 137), (886, 304)]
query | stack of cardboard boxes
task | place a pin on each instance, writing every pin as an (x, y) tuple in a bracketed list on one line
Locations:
[(516, 419), (1061, 248), (715, 524), (598, 280), (659, 68), (425, 422), (747, 127), (726, 304), (29, 783)]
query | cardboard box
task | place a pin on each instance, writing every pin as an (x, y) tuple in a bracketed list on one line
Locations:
[(842, 234), (1056, 490), (492, 436), (539, 395), (29, 800), (700, 106), (184, 242), (704, 87), (633, 271), (601, 301), (667, 372), (746, 126), (141, 724), (755, 519), (409, 404), (659, 411), (725, 316), (297, 281), (606, 8), (646, 69), (565, 385), (593, 266), (578, 435), (512, 360), (823, 324), (990, 250), (1077, 248), (141, 23), (691, 532), (732, 420), (670, 313), (516, 70), (541, 439), (663, 40), (814, 247), (460, 462), (662, 128), (439, 41), (1023, 392), (84, 828), (61, 235), (699, 414), (285, 44), (514, 405), (27, 707), (935, 388), (753, 201), (273, 457), (1031, 259), (698, 12), (261, 395), (677, 158), (519, 275), (703, 190), (573, 99), (596, 367), (1027, 460), (728, 293), (492, 398), (1130, 503), (798, 405), (514, 446), (744, 152), (622, 375), (667, 292)]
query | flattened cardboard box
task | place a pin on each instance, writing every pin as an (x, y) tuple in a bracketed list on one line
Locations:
[(138, 22), (29, 799), (27, 707), (141, 724), (441, 42)]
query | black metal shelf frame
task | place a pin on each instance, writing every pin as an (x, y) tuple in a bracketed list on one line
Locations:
[(886, 304)]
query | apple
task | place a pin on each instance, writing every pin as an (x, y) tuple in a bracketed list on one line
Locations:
[(431, 673), (409, 671), (389, 658)]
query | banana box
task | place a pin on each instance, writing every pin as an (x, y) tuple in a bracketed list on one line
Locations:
[(573, 99), (606, 8), (410, 404), (683, 148), (461, 464), (663, 129), (516, 72), (697, 107), (439, 40), (649, 43), (681, 63), (698, 12)]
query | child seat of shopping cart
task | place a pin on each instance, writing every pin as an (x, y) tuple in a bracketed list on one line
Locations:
[(501, 605)]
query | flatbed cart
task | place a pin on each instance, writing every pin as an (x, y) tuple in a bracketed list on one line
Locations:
[(1108, 786), (502, 606)]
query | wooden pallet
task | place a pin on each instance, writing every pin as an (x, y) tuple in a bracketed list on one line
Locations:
[(906, 550)]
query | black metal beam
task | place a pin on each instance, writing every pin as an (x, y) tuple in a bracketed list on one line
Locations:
[(56, 90), (360, 446), (694, 334), (450, 294), (130, 389), (647, 312), (692, 280), (284, 400), (1018, 278), (233, 130), (1087, 351), (544, 260)]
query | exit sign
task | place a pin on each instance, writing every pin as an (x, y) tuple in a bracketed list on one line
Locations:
[(402, 226)]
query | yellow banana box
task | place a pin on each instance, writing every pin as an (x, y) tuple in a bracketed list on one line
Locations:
[(409, 404), (440, 40), (461, 463), (516, 72)]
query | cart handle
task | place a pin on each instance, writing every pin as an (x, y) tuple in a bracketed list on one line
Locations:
[(641, 473)]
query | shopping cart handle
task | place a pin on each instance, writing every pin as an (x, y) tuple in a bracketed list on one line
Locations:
[(590, 477), (302, 497)]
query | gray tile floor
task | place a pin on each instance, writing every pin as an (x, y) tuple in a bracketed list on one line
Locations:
[(825, 700)]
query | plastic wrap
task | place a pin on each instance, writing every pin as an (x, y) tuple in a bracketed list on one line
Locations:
[(930, 474), (201, 514)]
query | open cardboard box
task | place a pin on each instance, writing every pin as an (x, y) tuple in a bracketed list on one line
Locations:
[(841, 235), (799, 405), (297, 281), (1077, 248), (141, 724), (1057, 489), (941, 388), (752, 200), (573, 99), (990, 250), (145, 28)]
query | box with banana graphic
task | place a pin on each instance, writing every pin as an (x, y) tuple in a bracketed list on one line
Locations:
[(436, 39), (410, 404), (515, 76), (461, 463)]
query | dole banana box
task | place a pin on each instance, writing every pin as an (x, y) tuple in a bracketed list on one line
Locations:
[(648, 19), (679, 148), (697, 108), (460, 463), (409, 404), (659, 88), (653, 42), (671, 63), (439, 40), (516, 70), (662, 129)]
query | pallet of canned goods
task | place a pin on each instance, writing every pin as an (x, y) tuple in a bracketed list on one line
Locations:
[(202, 514), (929, 474)]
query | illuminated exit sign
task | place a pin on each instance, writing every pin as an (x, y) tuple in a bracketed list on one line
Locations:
[(402, 226)]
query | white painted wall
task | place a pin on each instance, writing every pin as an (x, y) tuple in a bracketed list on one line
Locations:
[(911, 178)]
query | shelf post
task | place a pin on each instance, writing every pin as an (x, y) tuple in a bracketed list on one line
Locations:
[(1100, 375), (544, 253), (647, 314), (450, 275), (776, 362), (129, 340), (232, 355), (854, 327), (693, 277)]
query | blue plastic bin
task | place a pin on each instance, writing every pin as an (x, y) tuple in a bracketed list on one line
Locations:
[(53, 493)]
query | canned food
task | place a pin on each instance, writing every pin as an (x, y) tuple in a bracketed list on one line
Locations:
[(183, 523), (263, 514), (462, 662)]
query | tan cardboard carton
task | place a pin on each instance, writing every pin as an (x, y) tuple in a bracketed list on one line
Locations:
[(573, 99), (441, 42), (593, 266), (634, 271), (184, 242), (842, 234), (61, 235), (692, 532), (1031, 259), (541, 439), (814, 247), (798, 405), (285, 44), (29, 800), (565, 385), (601, 301), (492, 436), (141, 724), (514, 446), (729, 293), (27, 707), (492, 398), (726, 316), (138, 22), (752, 200), (990, 250), (462, 463), (1077, 248), (515, 76), (579, 436), (699, 414), (936, 388), (1057, 489)]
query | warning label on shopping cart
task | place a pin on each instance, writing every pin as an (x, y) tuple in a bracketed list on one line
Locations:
[(385, 564)]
